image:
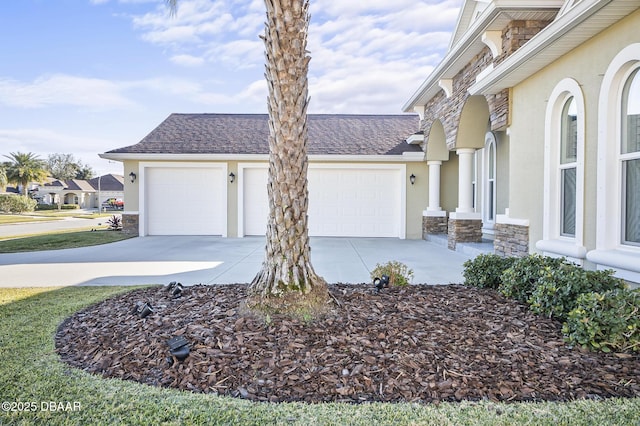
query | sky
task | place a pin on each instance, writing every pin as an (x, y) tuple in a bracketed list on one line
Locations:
[(87, 76)]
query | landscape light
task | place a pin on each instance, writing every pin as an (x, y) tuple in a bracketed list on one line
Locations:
[(178, 347)]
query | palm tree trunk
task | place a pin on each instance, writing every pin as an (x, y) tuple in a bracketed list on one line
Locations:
[(287, 271)]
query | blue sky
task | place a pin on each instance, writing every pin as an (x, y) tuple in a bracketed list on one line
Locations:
[(87, 76)]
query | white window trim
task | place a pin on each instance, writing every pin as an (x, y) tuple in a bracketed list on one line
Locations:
[(489, 139), (609, 252), (553, 242)]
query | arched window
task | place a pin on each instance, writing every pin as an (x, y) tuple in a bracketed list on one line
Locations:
[(490, 184), (568, 167), (563, 221), (630, 160)]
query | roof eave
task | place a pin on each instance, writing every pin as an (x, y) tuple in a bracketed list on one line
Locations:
[(528, 59)]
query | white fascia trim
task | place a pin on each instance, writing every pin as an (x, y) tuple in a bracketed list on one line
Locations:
[(490, 83), (131, 212), (186, 157), (172, 158)]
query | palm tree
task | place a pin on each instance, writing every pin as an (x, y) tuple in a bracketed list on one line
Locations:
[(287, 281), (24, 168)]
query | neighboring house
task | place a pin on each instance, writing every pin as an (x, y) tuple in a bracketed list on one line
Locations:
[(206, 174), (532, 131), (85, 193)]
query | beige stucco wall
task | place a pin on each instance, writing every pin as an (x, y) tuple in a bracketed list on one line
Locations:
[(416, 195), (449, 183), (502, 172), (586, 64)]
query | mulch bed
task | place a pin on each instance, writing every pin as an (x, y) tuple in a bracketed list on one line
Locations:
[(418, 343)]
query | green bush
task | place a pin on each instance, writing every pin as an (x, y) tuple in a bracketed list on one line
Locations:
[(399, 274), (69, 206), (521, 279), (485, 270), (46, 207), (16, 204), (608, 321), (558, 289)]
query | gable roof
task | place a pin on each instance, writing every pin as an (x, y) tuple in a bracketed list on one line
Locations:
[(249, 133), (109, 182)]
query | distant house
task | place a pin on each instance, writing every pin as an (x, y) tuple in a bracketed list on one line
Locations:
[(531, 131), (206, 174), (85, 193)]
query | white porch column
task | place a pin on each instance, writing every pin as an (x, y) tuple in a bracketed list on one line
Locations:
[(465, 187), (434, 185)]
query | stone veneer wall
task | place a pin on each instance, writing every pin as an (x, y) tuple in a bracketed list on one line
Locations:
[(464, 231), (130, 223), (434, 225), (511, 240)]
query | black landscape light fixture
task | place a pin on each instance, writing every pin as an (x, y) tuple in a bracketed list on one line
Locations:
[(381, 282), (143, 309), (132, 177), (232, 177), (178, 347), (412, 178)]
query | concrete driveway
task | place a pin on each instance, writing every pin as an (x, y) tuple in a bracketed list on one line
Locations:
[(214, 260)]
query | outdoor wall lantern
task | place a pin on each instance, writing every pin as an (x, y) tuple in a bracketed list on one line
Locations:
[(412, 178), (132, 176), (232, 177)]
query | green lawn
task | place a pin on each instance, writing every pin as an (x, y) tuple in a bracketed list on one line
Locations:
[(60, 240), (16, 218), (30, 372)]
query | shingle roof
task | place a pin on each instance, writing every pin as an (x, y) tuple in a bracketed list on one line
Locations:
[(248, 134), (109, 182)]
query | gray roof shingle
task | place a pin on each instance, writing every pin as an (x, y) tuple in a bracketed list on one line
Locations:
[(248, 134)]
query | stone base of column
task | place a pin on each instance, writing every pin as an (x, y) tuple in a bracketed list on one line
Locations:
[(432, 225), (511, 240), (130, 223), (464, 231)]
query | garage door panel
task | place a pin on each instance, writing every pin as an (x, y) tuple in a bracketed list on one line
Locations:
[(354, 202), (185, 201)]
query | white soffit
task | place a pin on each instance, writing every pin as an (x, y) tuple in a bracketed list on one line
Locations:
[(577, 25)]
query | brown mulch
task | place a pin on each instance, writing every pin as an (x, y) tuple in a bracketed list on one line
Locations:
[(418, 343)]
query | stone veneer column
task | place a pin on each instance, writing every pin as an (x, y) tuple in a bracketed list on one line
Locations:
[(511, 236), (130, 223), (434, 219), (465, 225)]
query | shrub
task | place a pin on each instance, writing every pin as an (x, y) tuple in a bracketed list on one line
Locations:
[(399, 274), (69, 206), (521, 279), (46, 207), (115, 223), (558, 289), (16, 204), (485, 270), (608, 321)]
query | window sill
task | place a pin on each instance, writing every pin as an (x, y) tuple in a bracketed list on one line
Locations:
[(562, 248), (626, 262)]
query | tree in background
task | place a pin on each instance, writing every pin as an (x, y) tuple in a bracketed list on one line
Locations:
[(24, 168), (62, 166), (84, 172), (3, 178)]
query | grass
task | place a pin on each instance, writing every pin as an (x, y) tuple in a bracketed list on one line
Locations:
[(30, 371), (60, 240), (15, 218)]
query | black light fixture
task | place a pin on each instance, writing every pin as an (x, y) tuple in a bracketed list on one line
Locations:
[(143, 309), (133, 177), (175, 289), (381, 282), (412, 178), (232, 177), (178, 347)]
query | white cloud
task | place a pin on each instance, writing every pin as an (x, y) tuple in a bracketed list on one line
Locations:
[(60, 89), (187, 60)]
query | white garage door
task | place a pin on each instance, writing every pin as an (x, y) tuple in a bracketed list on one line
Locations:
[(185, 201), (343, 202)]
